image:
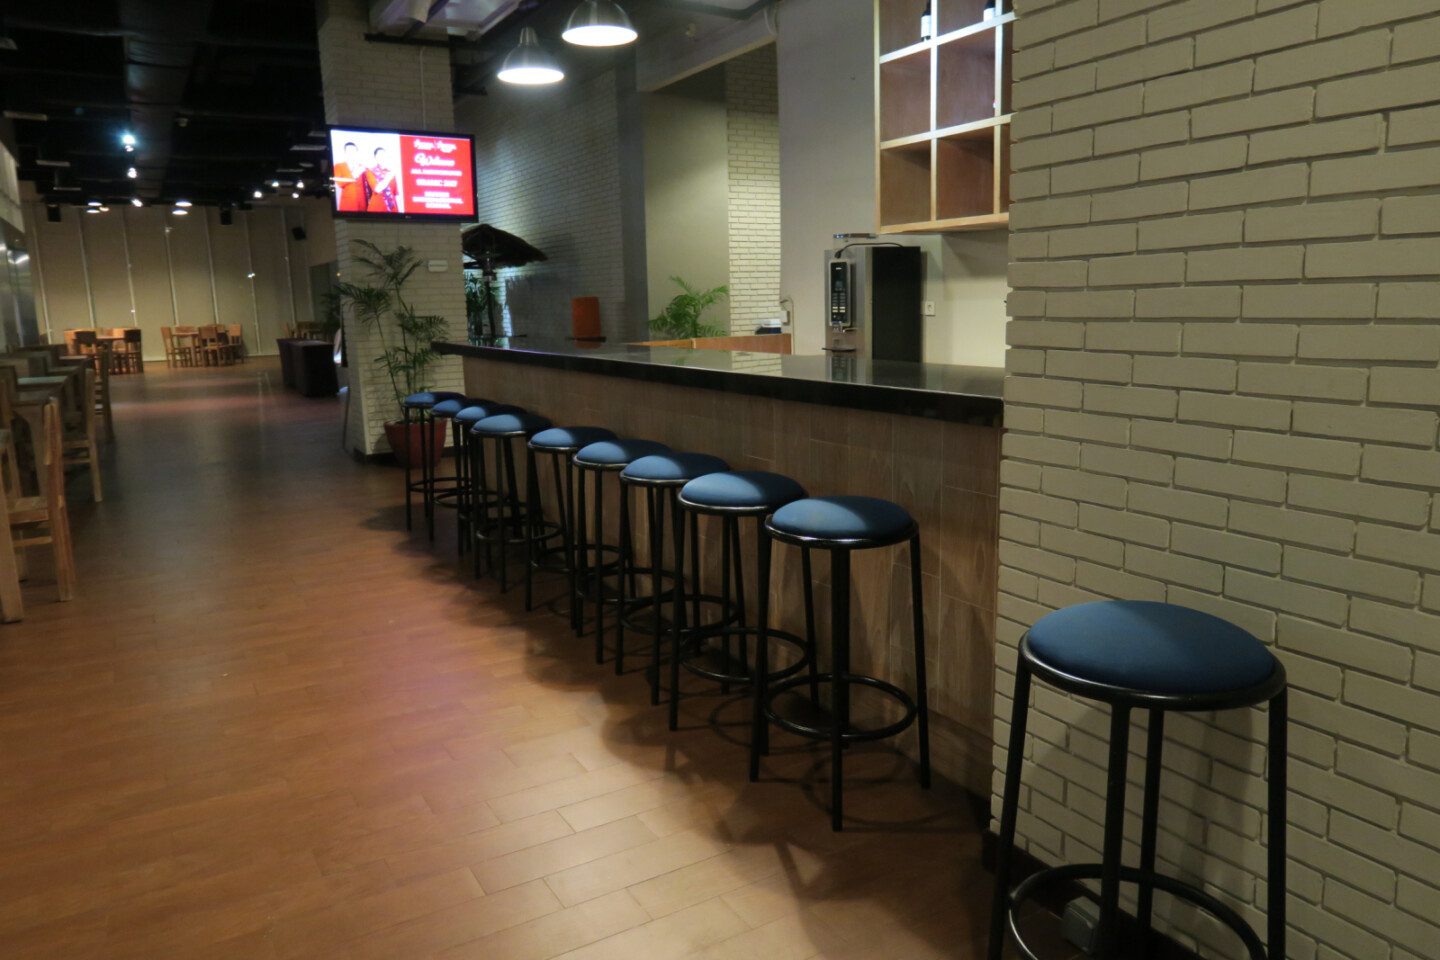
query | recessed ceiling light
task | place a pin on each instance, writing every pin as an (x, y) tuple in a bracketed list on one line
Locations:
[(92, 209), (128, 139), (299, 184), (183, 203), (180, 212), (131, 173), (275, 184), (93, 203), (258, 194), (136, 201), (294, 196)]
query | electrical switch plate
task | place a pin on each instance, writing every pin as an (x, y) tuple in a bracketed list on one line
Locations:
[(929, 308)]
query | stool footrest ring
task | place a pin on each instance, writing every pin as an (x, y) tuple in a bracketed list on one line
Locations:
[(636, 605), (690, 646), (1093, 871), (853, 735)]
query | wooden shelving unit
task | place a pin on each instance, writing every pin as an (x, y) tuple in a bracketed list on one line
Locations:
[(942, 116)]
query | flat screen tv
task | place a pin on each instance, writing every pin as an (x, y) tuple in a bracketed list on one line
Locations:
[(402, 174)]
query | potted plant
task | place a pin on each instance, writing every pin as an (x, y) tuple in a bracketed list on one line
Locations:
[(405, 336), (680, 320)]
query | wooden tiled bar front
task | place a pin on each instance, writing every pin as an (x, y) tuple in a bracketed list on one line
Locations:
[(944, 472)]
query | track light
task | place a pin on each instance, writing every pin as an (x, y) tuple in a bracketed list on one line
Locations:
[(136, 201), (529, 63), (599, 23)]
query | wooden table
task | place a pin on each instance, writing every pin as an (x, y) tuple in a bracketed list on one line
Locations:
[(30, 404)]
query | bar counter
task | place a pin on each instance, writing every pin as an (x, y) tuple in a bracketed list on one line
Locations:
[(926, 436)]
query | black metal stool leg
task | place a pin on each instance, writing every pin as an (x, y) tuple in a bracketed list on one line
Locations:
[(479, 505), (457, 437), (427, 471), (677, 622), (510, 505), (625, 581), (582, 530), (1278, 754), (599, 568), (657, 556), (1107, 934), (734, 524), (922, 694), (572, 538), (1009, 810), (759, 725), (1149, 817), (840, 709), (534, 522), (809, 584), (725, 594), (409, 492)]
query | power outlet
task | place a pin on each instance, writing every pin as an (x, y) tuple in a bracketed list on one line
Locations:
[(929, 308)]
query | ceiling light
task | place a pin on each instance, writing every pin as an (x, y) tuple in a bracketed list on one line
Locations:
[(529, 63), (131, 173), (128, 139), (180, 212), (294, 196), (92, 209), (275, 184), (299, 184), (104, 209), (136, 201), (93, 203), (258, 194), (42, 162), (250, 275), (599, 23), (183, 203), (23, 115)]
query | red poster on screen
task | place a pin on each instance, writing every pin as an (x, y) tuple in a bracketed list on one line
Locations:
[(435, 176)]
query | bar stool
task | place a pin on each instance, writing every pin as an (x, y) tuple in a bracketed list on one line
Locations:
[(732, 497), (1157, 657), (449, 491), (420, 405), (605, 456), (525, 512), (561, 444), (462, 423), (481, 501), (842, 525), (661, 476)]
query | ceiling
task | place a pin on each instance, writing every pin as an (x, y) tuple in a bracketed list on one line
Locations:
[(224, 97)]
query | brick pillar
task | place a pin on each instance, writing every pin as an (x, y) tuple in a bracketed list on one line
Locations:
[(407, 87)]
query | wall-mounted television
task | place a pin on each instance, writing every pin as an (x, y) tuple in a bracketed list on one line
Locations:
[(402, 174)]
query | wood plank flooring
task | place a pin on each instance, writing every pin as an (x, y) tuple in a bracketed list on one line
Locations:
[(273, 725)]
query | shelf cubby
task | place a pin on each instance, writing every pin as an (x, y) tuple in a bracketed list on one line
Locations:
[(905, 96), (905, 184)]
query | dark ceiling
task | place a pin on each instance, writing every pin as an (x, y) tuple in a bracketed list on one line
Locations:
[(222, 97), (216, 94)]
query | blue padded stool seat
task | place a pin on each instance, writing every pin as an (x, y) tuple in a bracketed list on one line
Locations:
[(568, 439), (473, 414), (673, 468), (843, 518), (428, 398), (742, 490), (448, 408), (1151, 647), (511, 425), (618, 453)]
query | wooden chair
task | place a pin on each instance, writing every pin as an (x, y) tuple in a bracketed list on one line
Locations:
[(186, 344), (99, 393), (214, 345), (130, 351), (85, 341), (237, 342), (12, 606), (81, 439), (45, 520)]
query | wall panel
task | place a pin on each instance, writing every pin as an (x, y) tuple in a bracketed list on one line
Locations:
[(150, 274), (269, 258), (104, 239), (230, 255), (190, 264)]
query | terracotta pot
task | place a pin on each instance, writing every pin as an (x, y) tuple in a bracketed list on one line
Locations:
[(395, 435)]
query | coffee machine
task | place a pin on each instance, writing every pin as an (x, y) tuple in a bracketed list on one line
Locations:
[(874, 292)]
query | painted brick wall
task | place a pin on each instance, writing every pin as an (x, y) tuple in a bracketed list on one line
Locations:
[(380, 85), (1223, 393), (752, 109), (549, 167)]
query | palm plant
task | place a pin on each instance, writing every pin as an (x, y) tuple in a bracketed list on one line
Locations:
[(405, 334), (681, 316)]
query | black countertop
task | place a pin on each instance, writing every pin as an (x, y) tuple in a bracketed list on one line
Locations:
[(938, 390)]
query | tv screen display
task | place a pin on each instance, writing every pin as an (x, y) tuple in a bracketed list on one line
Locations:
[(402, 175)]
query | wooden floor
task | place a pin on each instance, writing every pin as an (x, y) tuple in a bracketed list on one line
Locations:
[(274, 725)]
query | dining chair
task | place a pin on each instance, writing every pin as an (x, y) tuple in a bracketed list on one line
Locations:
[(132, 350), (85, 341), (81, 439), (44, 519), (237, 342), (186, 345), (99, 394)]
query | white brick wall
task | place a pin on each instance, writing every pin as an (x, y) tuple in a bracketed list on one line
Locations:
[(1224, 391), (548, 161), (752, 114), (380, 85)]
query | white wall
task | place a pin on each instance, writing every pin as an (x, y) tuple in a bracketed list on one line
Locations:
[(146, 268), (687, 190), (752, 112), (827, 172)]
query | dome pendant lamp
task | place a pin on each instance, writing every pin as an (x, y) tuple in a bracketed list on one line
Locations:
[(529, 63), (599, 23)]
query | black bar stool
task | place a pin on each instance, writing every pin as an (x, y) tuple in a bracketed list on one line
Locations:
[(419, 405), (661, 476), (605, 456), (732, 497), (462, 423), (841, 525), (522, 513), (451, 491), (1156, 657), (561, 444), (480, 500)]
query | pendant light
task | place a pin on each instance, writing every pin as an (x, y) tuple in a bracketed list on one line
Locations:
[(599, 23), (529, 63)]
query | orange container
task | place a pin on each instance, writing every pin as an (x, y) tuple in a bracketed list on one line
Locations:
[(585, 318)]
